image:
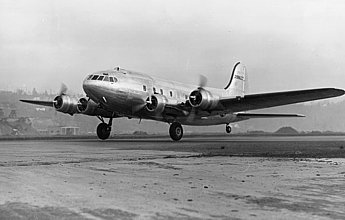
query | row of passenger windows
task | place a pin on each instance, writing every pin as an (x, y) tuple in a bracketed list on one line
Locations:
[(162, 92), (102, 78), (114, 79)]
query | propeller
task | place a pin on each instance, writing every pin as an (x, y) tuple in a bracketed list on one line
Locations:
[(147, 101), (63, 91), (202, 84), (58, 99)]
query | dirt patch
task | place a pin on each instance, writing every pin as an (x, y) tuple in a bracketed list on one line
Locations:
[(19, 211), (286, 149), (158, 165)]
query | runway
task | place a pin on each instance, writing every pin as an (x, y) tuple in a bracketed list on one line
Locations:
[(223, 177)]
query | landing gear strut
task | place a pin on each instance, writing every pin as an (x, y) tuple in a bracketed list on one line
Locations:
[(104, 129), (228, 129), (176, 131)]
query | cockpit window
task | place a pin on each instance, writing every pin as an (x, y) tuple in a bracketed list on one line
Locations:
[(100, 78), (89, 77), (106, 79), (94, 77)]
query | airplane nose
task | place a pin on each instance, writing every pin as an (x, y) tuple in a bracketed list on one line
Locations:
[(104, 89), (91, 87), (86, 86), (98, 86)]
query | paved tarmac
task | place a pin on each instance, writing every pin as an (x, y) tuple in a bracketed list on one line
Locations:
[(227, 177)]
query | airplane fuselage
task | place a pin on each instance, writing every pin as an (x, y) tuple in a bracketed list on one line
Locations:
[(129, 89)]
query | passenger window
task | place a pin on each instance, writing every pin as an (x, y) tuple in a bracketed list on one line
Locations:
[(100, 78), (89, 77), (144, 88), (94, 77), (171, 94), (113, 79), (106, 79), (154, 90), (161, 91)]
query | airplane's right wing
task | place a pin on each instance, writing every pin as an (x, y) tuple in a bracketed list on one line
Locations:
[(267, 100), (266, 115)]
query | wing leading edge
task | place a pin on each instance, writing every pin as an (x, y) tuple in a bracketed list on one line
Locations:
[(267, 100), (38, 102)]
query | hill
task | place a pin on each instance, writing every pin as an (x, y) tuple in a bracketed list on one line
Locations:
[(286, 130)]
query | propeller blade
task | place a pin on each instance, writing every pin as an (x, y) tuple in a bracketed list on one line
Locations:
[(63, 89), (191, 115), (203, 81), (149, 100), (138, 107)]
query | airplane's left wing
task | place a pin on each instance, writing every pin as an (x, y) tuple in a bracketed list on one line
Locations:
[(38, 102), (70, 105), (267, 100)]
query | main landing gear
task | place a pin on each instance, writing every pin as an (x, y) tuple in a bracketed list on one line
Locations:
[(104, 129), (176, 131), (228, 129)]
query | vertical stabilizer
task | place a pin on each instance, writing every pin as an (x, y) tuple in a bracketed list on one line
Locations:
[(237, 83)]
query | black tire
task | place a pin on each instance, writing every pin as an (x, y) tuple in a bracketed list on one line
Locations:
[(228, 129), (176, 131), (103, 131)]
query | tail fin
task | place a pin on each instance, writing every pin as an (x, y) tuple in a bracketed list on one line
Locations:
[(238, 80)]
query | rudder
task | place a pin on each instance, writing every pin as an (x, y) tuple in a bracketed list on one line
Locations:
[(237, 83)]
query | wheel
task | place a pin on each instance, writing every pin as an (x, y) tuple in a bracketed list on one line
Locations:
[(228, 129), (176, 131), (103, 131)]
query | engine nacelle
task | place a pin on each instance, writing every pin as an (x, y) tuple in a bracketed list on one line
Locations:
[(203, 99), (66, 104), (156, 104), (89, 107)]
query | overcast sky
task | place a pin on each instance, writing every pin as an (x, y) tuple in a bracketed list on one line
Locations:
[(285, 45)]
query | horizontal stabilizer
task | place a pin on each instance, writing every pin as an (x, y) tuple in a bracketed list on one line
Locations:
[(259, 115), (38, 102)]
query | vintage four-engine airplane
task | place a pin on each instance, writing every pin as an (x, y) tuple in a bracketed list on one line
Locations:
[(118, 93)]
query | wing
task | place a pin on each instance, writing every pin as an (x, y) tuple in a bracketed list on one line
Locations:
[(267, 100), (264, 115), (38, 102)]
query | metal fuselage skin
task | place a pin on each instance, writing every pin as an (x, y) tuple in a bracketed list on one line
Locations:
[(131, 89)]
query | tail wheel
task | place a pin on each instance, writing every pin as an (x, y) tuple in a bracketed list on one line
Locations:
[(228, 129), (103, 131), (176, 131)]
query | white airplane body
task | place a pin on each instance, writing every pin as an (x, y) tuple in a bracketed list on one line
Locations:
[(122, 93)]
